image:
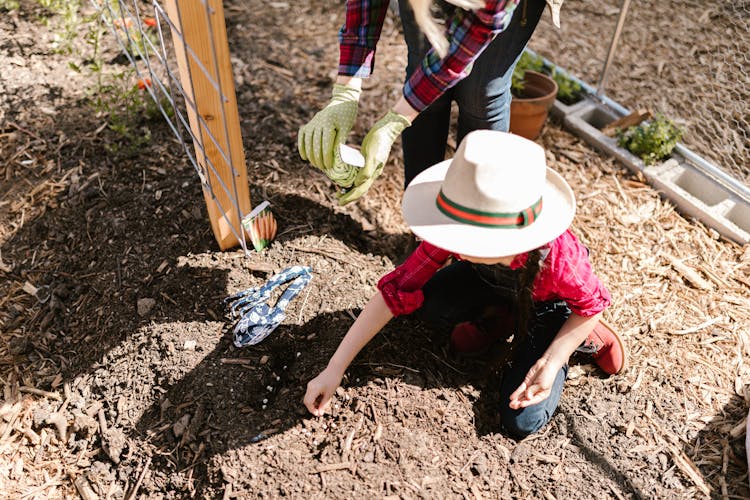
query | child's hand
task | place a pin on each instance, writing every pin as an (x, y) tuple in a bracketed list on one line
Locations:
[(537, 385), (320, 390)]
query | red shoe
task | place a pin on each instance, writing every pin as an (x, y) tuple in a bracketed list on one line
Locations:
[(468, 338), (607, 348), (473, 338)]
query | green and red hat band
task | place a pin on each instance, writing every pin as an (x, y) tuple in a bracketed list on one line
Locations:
[(488, 219)]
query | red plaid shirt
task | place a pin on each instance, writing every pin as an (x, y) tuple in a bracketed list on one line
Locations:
[(468, 33), (565, 274)]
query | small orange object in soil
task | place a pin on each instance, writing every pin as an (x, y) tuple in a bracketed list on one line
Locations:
[(150, 22), (143, 83)]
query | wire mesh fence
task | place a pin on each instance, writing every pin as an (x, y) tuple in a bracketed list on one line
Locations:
[(726, 135), (179, 53)]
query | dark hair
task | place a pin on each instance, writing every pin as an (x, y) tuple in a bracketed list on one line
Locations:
[(524, 306), (525, 291)]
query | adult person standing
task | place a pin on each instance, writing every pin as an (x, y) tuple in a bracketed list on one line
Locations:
[(483, 41)]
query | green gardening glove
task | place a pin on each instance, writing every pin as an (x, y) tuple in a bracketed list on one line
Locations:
[(329, 127), (376, 147)]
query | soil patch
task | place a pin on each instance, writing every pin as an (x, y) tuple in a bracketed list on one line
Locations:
[(99, 395)]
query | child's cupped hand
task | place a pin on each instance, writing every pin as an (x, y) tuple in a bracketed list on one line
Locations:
[(536, 386), (320, 390)]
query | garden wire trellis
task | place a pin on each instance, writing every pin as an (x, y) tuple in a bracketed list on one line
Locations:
[(196, 99)]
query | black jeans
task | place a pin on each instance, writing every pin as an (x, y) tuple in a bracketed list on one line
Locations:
[(463, 292), (483, 97)]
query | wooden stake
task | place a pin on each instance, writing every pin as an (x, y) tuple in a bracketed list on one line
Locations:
[(634, 118), (199, 71)]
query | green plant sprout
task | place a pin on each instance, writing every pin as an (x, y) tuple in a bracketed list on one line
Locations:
[(124, 102), (527, 62), (66, 13), (569, 91), (651, 141)]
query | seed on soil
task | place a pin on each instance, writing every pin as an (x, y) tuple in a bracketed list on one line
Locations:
[(263, 360)]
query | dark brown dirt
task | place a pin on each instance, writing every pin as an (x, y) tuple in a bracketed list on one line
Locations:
[(96, 231)]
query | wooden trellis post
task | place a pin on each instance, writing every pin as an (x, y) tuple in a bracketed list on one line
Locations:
[(200, 42)]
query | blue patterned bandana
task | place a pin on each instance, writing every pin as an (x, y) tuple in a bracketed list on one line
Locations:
[(258, 319)]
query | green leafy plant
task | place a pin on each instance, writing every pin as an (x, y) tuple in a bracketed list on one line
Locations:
[(62, 14), (526, 62), (67, 17), (569, 91), (125, 103), (120, 98), (651, 141)]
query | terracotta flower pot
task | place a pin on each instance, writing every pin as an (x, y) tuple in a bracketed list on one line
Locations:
[(529, 112)]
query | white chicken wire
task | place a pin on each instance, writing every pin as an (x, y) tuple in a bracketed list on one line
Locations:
[(725, 136)]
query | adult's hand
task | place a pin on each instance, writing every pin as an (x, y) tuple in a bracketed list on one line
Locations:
[(329, 127), (376, 147)]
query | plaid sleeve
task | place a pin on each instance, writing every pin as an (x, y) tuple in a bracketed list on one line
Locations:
[(468, 33), (359, 35), (402, 288)]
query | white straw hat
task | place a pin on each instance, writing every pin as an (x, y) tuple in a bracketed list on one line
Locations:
[(495, 198)]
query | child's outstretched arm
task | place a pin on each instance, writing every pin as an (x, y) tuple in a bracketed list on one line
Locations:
[(537, 385), (371, 320)]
